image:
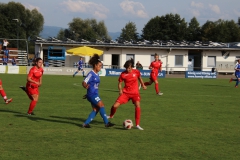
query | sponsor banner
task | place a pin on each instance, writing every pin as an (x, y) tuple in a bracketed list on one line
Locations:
[(200, 74), (22, 69), (3, 69), (13, 69), (62, 70), (102, 72), (144, 73)]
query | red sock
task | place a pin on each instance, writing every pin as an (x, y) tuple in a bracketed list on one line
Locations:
[(156, 88), (113, 111), (31, 106), (147, 83), (137, 115), (3, 94)]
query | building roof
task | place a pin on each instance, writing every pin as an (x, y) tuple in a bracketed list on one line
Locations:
[(158, 44)]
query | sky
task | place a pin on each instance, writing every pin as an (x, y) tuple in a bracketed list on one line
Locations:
[(117, 13)]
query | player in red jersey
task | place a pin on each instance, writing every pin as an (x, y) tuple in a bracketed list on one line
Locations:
[(130, 91), (34, 80), (155, 66), (3, 94)]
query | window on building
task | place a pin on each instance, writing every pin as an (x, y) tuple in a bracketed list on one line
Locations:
[(178, 60), (129, 56), (211, 62), (152, 58)]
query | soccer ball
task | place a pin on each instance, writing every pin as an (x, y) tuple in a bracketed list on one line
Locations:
[(127, 124)]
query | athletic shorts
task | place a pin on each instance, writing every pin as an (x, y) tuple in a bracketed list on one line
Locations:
[(93, 99), (237, 75), (31, 90), (0, 82), (153, 76), (80, 68), (124, 98)]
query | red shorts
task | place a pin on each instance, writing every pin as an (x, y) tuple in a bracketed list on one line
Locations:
[(124, 98), (153, 76), (31, 90)]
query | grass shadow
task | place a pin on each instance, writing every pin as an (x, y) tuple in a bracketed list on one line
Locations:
[(76, 119), (215, 85), (9, 111)]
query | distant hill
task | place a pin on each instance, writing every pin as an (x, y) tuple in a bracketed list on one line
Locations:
[(52, 31), (114, 35)]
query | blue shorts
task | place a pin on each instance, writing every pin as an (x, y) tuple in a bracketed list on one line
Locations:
[(80, 68), (237, 75), (94, 99)]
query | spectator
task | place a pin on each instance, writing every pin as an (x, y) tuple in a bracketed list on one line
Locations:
[(5, 43), (14, 61), (6, 52), (5, 60), (139, 66)]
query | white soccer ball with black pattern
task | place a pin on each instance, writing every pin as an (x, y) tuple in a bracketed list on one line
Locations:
[(127, 124)]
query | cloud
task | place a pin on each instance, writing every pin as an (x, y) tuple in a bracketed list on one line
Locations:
[(215, 8), (97, 10), (196, 13), (134, 8), (197, 5), (31, 7)]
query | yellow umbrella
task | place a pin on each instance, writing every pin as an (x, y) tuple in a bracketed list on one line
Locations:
[(84, 51)]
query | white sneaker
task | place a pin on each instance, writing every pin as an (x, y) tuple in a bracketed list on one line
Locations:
[(140, 86), (138, 127), (160, 93)]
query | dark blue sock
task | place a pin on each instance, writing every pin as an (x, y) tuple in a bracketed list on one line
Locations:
[(237, 83), (91, 116), (103, 115), (83, 73), (75, 73)]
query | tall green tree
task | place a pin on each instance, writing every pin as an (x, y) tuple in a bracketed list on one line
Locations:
[(129, 32), (168, 27), (194, 30), (221, 31), (87, 29), (16, 19)]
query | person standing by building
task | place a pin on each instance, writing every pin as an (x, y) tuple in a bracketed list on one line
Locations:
[(91, 83), (155, 67), (139, 66), (34, 81), (130, 91), (237, 74), (3, 94), (80, 67)]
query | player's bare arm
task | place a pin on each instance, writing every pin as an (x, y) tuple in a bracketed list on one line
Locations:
[(85, 85), (120, 88), (29, 79), (142, 83)]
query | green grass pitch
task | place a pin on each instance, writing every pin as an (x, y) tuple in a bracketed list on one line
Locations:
[(194, 119)]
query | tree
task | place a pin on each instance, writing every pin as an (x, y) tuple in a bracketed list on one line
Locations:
[(16, 19), (221, 31), (85, 29), (129, 32), (168, 27), (193, 30)]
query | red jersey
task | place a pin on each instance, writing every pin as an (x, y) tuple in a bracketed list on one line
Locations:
[(156, 65), (35, 74), (131, 81)]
